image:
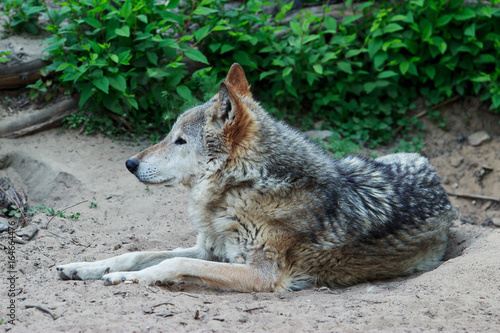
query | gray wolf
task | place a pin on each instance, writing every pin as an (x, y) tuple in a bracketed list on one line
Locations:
[(274, 212)]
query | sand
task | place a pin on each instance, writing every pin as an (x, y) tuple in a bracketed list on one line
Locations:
[(60, 168)]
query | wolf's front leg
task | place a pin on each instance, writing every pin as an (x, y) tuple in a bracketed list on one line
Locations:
[(238, 277), (133, 261)]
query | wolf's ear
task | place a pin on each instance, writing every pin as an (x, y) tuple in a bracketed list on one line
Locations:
[(232, 117), (237, 80)]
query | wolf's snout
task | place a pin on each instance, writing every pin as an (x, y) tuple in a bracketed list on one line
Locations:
[(132, 165)]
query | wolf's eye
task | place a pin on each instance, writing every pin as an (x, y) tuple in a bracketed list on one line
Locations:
[(180, 141)]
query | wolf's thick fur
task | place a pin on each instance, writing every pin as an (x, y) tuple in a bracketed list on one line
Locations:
[(275, 213)]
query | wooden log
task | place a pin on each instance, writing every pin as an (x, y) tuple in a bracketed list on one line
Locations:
[(37, 121), (19, 74)]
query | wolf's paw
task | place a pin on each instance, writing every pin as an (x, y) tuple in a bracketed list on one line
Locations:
[(81, 271), (130, 277)]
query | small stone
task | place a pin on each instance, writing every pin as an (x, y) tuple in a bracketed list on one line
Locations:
[(131, 247), (475, 139), (117, 246), (496, 221), (322, 135), (27, 233), (319, 124), (4, 224), (456, 160)]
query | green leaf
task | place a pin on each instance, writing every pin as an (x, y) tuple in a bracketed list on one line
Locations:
[(470, 31), (226, 48), (196, 55), (465, 13), (133, 102), (201, 33), (430, 71), (265, 74), (353, 53), (318, 69), (118, 82), (382, 83), (350, 19), (184, 92), (152, 57), (34, 10), (102, 83), (173, 4), (172, 17), (286, 71), (486, 11), (392, 27), (379, 59), (345, 66), (387, 74), (425, 28), (481, 78), (296, 28), (485, 58), (93, 22), (242, 58), (369, 87), (87, 92), (123, 31), (495, 99), (330, 24), (62, 66), (374, 46), (204, 11), (399, 17), (439, 43), (404, 66), (126, 9), (142, 18), (444, 20)]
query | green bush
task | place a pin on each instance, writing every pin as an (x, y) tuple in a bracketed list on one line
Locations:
[(359, 76), (125, 57), (21, 15), (363, 74)]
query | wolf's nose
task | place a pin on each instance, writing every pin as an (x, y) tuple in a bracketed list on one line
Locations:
[(132, 165)]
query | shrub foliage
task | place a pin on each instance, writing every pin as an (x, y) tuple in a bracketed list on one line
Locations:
[(360, 75)]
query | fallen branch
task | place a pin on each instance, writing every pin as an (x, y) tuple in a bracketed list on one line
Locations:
[(41, 308), (21, 73), (473, 196), (38, 121)]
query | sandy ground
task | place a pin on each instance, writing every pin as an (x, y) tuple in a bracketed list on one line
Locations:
[(58, 169)]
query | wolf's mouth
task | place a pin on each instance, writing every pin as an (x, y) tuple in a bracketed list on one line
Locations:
[(156, 182)]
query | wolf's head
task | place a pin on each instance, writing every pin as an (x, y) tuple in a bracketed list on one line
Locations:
[(203, 138)]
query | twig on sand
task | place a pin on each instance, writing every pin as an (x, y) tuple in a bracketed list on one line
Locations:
[(62, 210), (41, 308), (473, 196), (160, 304), (181, 293), (252, 309)]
